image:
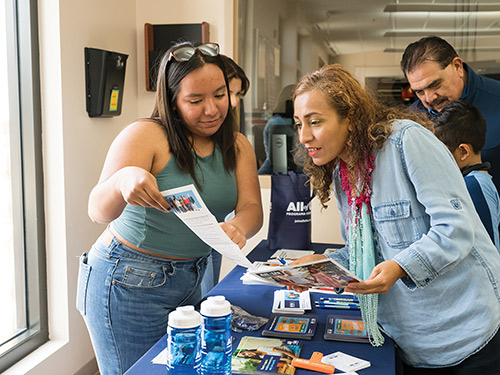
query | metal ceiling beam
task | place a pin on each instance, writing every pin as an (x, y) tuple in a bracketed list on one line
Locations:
[(442, 7)]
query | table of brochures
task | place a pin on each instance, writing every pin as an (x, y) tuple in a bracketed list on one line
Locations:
[(258, 300)]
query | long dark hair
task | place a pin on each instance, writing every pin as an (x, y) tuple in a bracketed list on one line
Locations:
[(233, 70), (170, 75)]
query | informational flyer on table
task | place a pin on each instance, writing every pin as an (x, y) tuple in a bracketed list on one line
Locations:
[(189, 207)]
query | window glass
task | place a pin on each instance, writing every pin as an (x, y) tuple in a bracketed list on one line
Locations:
[(23, 314)]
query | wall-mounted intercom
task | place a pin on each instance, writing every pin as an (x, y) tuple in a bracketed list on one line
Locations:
[(159, 38), (104, 78)]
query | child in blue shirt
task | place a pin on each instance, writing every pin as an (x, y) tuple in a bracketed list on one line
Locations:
[(462, 128)]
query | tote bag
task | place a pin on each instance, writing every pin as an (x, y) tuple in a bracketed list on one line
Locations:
[(290, 217)]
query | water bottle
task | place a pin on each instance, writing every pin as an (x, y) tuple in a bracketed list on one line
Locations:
[(216, 340), (184, 341)]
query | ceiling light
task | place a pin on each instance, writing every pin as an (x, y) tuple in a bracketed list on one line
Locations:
[(458, 32), (459, 49), (442, 7)]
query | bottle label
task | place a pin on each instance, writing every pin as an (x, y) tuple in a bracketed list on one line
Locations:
[(184, 349), (216, 346)]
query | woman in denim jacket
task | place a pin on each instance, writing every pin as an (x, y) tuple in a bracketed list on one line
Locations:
[(432, 274)]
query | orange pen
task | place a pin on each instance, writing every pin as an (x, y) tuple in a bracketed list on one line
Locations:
[(314, 364)]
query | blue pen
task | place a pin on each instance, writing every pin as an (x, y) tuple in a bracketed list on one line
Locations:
[(341, 302), (332, 306), (283, 261), (337, 307), (338, 303), (334, 300), (354, 307)]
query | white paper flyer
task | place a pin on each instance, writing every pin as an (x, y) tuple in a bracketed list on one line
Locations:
[(189, 207)]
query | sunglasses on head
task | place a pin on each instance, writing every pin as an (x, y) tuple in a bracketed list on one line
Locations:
[(186, 52)]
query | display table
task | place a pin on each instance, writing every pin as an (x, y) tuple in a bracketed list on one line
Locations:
[(258, 300)]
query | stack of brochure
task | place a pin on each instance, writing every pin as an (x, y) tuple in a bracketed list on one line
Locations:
[(324, 273), (289, 301)]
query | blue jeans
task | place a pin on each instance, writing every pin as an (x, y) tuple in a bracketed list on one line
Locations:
[(125, 297), (212, 274)]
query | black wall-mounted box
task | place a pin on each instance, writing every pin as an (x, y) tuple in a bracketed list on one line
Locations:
[(159, 38), (104, 79)]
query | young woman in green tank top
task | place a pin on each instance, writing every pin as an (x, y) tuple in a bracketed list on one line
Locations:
[(146, 263)]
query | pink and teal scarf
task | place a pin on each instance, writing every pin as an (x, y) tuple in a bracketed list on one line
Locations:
[(360, 242)]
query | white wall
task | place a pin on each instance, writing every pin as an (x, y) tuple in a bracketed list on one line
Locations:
[(74, 145), (371, 64)]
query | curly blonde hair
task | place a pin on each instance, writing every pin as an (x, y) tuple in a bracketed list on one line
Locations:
[(370, 124)]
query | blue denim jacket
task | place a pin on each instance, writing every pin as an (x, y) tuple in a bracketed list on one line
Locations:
[(423, 218)]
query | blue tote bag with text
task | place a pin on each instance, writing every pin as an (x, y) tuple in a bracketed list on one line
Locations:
[(290, 217)]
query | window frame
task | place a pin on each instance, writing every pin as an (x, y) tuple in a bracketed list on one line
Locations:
[(26, 137)]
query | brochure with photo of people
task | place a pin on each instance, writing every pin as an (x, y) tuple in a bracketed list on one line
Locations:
[(260, 355), (321, 273), (187, 204)]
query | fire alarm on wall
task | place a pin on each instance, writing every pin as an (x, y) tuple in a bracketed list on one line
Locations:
[(104, 78)]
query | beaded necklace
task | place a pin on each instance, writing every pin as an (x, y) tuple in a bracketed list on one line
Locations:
[(360, 240)]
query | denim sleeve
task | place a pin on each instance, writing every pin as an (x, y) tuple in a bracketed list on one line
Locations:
[(440, 188)]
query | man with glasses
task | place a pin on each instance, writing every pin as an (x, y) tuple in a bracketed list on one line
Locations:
[(439, 76)]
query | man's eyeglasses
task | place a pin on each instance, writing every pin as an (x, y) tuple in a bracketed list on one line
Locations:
[(186, 52)]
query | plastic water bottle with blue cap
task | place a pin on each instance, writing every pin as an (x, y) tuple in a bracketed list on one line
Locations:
[(216, 338), (184, 341)]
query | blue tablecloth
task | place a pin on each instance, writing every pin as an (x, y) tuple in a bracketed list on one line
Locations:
[(258, 300)]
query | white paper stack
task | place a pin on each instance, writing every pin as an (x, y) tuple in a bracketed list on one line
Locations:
[(345, 362), (250, 279)]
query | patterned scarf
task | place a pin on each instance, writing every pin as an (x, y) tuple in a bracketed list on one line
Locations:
[(360, 240)]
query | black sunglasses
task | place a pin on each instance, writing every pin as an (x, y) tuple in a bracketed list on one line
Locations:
[(186, 52)]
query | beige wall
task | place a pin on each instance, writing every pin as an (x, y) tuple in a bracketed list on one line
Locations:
[(371, 64), (74, 145)]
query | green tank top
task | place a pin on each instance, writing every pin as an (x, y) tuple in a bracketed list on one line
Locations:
[(164, 233)]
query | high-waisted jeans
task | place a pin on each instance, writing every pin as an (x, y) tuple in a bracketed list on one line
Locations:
[(125, 297)]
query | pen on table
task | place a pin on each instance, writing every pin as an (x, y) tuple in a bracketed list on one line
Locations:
[(283, 261), (335, 299), (338, 304), (338, 301), (337, 307), (332, 306)]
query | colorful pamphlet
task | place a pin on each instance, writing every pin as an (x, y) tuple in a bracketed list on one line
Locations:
[(260, 355), (291, 326), (349, 328), (321, 273)]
